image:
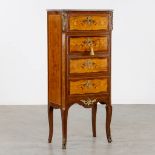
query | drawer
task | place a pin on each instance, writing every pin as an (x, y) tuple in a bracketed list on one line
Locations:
[(88, 86), (84, 44), (88, 65), (89, 99), (88, 22)]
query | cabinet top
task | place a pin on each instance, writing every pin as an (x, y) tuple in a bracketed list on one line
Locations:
[(79, 10)]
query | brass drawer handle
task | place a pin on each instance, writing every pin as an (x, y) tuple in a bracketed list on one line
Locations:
[(92, 51), (88, 101), (89, 42)]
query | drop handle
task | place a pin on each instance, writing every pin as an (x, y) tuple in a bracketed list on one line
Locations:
[(92, 51)]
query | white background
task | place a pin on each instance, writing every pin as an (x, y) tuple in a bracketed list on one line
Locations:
[(23, 49)]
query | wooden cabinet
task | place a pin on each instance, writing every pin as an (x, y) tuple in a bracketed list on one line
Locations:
[(79, 64)]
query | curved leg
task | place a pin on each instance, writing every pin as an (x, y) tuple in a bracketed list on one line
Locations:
[(64, 115), (108, 121), (94, 110), (50, 119)]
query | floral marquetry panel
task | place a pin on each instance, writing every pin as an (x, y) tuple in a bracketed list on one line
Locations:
[(86, 22), (88, 86), (88, 65), (82, 44)]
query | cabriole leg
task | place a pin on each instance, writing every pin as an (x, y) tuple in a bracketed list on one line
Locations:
[(64, 115), (94, 111), (50, 119), (108, 121)]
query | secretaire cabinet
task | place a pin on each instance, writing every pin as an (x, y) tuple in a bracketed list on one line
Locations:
[(79, 64)]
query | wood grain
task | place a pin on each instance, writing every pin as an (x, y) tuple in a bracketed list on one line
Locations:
[(54, 58), (88, 65), (88, 86), (86, 22)]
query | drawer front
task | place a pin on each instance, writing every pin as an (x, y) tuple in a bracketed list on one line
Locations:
[(89, 100), (89, 86), (88, 65), (89, 22), (84, 44)]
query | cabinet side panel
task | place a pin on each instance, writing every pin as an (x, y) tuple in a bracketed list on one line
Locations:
[(54, 58)]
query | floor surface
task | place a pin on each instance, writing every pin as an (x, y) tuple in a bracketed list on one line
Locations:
[(24, 131)]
